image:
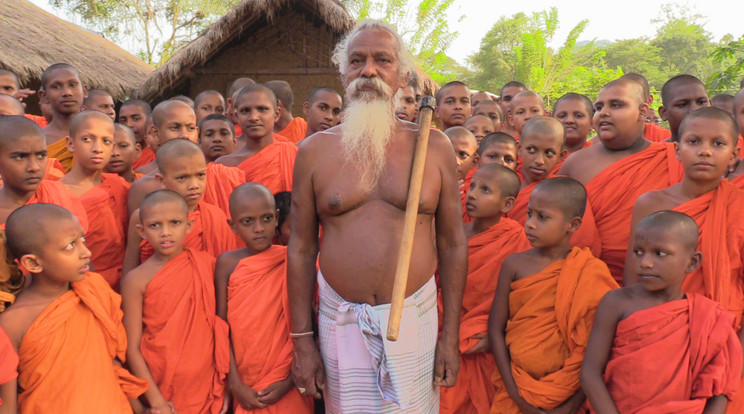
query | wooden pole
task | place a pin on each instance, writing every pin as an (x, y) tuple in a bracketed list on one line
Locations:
[(409, 220)]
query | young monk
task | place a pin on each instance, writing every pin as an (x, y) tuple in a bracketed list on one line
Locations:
[(294, 128), (183, 169), (654, 347), (523, 107), (491, 238), (22, 164), (126, 150), (250, 284), (263, 159), (232, 93), (680, 96), (480, 126), (10, 106), (101, 101), (478, 97), (185, 99), (283, 201), (322, 109), (170, 120), (62, 87), (575, 112), (406, 108), (216, 136), (621, 167), (507, 93), (453, 105), (176, 341), (492, 110), (103, 195), (466, 151), (544, 307), (133, 113), (723, 101), (66, 325), (207, 103), (651, 131)]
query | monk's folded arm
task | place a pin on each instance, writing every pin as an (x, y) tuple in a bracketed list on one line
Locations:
[(132, 253), (9, 397), (716, 405), (598, 352), (497, 328)]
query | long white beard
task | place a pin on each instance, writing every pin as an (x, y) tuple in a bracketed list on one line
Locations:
[(368, 122)]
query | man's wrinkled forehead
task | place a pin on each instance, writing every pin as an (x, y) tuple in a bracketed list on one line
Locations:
[(373, 40)]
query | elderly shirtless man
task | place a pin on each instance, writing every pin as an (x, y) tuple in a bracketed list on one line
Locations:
[(353, 180)]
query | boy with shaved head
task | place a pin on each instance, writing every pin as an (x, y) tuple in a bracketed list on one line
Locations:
[(133, 113), (621, 167), (480, 125), (491, 238), (66, 324), (176, 341), (724, 102), (544, 306), (293, 128), (251, 290), (492, 110), (680, 96), (523, 107), (453, 105), (651, 131), (575, 112), (216, 136), (126, 150), (507, 93), (322, 109), (207, 103), (10, 106), (232, 93), (654, 346), (406, 108), (263, 158), (101, 101)]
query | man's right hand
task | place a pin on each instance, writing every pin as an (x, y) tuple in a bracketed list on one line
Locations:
[(308, 371)]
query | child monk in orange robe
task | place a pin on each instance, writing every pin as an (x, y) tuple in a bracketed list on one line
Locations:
[(134, 113), (182, 168), (680, 96), (655, 347), (453, 105), (66, 325), (288, 126), (523, 107), (209, 102), (62, 87), (492, 110), (322, 109), (101, 101), (491, 238), (126, 150), (103, 195), (480, 125), (575, 112), (251, 289), (263, 158), (216, 136), (621, 167), (176, 341), (544, 306)]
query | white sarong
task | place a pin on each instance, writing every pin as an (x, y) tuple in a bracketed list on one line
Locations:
[(366, 373)]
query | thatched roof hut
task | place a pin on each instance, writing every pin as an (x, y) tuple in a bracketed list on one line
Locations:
[(291, 40), (32, 39)]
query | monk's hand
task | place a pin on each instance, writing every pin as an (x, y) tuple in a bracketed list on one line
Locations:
[(446, 363), (274, 392), (22, 94), (247, 397), (308, 372), (481, 346), (528, 408), (167, 408)]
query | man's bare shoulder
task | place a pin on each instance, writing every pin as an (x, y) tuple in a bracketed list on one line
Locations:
[(330, 136)]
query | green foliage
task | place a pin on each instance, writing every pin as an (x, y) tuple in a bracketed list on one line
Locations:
[(730, 55), (160, 27)]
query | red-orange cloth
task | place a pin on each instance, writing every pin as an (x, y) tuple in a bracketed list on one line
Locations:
[(184, 343), (258, 315), (54, 192), (238, 130), (147, 156), (550, 317), (272, 166), (40, 120), (295, 130), (53, 171), (474, 390), (614, 191), (586, 236), (221, 181), (656, 133), (671, 358), (209, 233), (8, 359), (738, 182), (106, 207), (66, 355), (59, 151)]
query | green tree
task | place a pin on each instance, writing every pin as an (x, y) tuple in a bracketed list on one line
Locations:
[(730, 55), (639, 56), (159, 27)]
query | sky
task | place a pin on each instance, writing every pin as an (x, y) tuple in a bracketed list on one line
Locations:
[(629, 21)]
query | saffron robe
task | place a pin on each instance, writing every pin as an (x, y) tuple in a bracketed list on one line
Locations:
[(59, 151), (221, 181), (656, 133), (54, 192), (295, 130), (147, 156), (272, 166)]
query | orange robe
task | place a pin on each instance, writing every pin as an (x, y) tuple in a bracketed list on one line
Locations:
[(656, 133), (66, 355), (209, 233), (586, 236), (272, 166), (550, 317), (738, 182), (474, 390), (672, 357), (106, 207), (740, 144), (295, 130), (614, 191), (221, 181), (183, 341), (258, 314), (59, 151), (147, 156), (8, 359), (54, 192), (40, 120)]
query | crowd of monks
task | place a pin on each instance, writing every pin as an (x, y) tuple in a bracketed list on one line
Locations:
[(155, 237)]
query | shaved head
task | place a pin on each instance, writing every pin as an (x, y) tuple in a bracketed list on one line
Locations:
[(93, 94), (81, 117), (282, 91), (636, 89), (440, 92), (29, 227), (458, 132), (204, 94), (250, 191), (496, 138), (126, 131), (507, 180), (711, 112), (257, 88), (176, 149), (239, 84), (543, 125), (676, 81), (568, 195), (685, 229), (313, 95), (157, 198), (163, 109), (146, 108), (636, 77), (571, 96), (512, 84), (6, 72), (48, 71), (526, 94), (10, 106), (14, 127)]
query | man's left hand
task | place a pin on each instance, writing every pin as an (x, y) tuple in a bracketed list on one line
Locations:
[(446, 364)]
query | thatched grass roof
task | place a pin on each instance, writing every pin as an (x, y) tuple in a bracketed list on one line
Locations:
[(32, 39), (245, 14)]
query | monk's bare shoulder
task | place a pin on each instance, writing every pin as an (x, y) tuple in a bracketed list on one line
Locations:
[(136, 281), (653, 201), (231, 160), (228, 261), (574, 163), (17, 318)]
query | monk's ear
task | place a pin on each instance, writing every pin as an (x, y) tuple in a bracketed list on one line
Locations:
[(676, 150), (31, 262), (68, 142), (306, 108), (140, 230), (574, 224), (508, 204), (230, 223), (189, 225), (548, 113), (85, 91), (137, 150), (564, 154), (159, 177), (644, 109), (695, 260), (662, 113), (476, 158), (153, 131)]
